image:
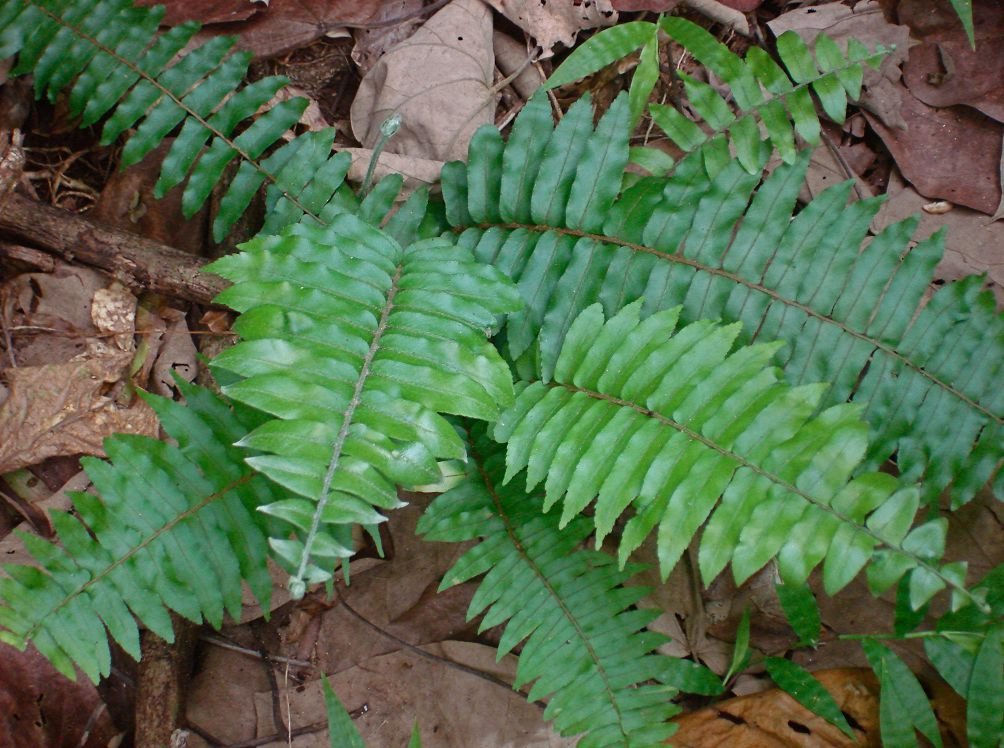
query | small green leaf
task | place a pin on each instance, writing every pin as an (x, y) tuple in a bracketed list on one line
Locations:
[(807, 691), (741, 649), (802, 612), (985, 698), (601, 49), (646, 75), (341, 731), (796, 57), (416, 737), (903, 704)]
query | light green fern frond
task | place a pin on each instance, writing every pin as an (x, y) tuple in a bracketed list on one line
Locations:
[(545, 209), (356, 346), (586, 646), (116, 65), (687, 433), (170, 528), (764, 93)]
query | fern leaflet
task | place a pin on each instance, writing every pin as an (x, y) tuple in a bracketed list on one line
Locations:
[(356, 345), (637, 415), (116, 64)]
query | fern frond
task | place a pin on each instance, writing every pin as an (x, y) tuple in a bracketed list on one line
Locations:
[(356, 346), (170, 528), (763, 93), (116, 65), (541, 208), (586, 647), (667, 422)]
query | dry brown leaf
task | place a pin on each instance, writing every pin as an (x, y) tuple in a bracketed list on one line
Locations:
[(206, 12), (416, 171), (439, 81), (945, 70), (271, 28), (773, 719), (48, 315), (551, 24), (39, 708), (866, 23), (372, 44), (950, 154), (65, 409)]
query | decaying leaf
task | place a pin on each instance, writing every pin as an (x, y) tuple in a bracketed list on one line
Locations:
[(972, 243), (773, 718), (67, 409), (41, 709), (944, 70), (439, 81), (551, 24), (952, 154)]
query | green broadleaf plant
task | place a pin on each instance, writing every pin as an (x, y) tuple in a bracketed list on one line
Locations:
[(618, 343)]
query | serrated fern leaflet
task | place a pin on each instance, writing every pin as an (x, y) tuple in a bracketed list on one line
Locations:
[(586, 646), (666, 421), (356, 345), (170, 527), (117, 66), (541, 208)]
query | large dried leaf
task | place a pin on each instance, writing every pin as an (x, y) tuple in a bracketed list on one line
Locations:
[(950, 154), (439, 82)]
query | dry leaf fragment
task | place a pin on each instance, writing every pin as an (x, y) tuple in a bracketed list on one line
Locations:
[(67, 409), (551, 24)]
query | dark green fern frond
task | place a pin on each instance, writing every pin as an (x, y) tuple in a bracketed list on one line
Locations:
[(356, 345), (170, 528), (687, 433), (763, 93), (586, 646), (544, 208), (116, 65)]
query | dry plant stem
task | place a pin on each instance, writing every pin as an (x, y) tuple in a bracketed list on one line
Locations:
[(139, 263)]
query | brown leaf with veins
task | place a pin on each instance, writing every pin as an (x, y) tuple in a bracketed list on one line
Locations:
[(67, 409)]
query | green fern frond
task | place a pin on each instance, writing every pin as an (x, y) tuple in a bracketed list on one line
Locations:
[(544, 208), (762, 91), (170, 528), (688, 433), (116, 65), (586, 646), (356, 346)]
